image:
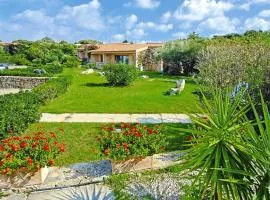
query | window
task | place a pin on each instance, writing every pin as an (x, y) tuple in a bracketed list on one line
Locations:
[(121, 59), (101, 58)]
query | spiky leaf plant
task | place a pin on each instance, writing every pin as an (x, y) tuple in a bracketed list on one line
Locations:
[(218, 150), (259, 138)]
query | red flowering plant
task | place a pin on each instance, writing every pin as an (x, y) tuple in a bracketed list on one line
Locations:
[(127, 140), (29, 152)]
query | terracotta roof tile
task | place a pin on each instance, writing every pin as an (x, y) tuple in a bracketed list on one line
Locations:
[(123, 47)]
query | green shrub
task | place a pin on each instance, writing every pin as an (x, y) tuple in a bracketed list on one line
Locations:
[(18, 72), (53, 68), (71, 61), (52, 89), (17, 111), (120, 74)]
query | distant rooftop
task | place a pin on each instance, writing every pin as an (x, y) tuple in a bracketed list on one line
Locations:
[(123, 47)]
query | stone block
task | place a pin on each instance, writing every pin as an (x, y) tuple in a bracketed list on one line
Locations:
[(132, 165)]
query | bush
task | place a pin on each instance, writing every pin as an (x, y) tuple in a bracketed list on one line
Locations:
[(17, 111), (50, 69), (53, 68), (181, 56), (132, 140), (29, 152), (52, 89), (71, 61), (18, 72), (120, 74)]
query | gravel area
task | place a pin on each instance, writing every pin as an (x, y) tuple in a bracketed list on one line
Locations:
[(166, 186)]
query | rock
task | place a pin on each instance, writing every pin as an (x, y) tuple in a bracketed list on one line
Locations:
[(89, 71), (166, 159), (101, 73), (145, 76), (54, 175), (21, 82), (132, 165)]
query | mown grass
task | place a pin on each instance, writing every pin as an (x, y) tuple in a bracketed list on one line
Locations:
[(81, 143), (91, 94)]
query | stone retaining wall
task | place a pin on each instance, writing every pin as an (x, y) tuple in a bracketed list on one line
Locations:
[(21, 82)]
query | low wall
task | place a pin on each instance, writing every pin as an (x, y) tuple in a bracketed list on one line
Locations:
[(21, 82)]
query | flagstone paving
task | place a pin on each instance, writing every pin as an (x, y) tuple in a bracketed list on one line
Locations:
[(115, 118)]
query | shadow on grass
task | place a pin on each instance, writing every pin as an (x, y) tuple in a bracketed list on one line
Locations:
[(176, 138), (96, 85)]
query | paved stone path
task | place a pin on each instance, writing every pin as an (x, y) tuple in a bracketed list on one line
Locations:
[(116, 118)]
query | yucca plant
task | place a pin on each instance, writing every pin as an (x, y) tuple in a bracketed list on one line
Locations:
[(218, 150), (259, 138)]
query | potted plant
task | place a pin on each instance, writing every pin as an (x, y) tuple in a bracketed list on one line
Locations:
[(130, 147)]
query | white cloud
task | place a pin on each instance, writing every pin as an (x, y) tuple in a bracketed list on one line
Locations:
[(131, 21), (128, 4), (147, 4), (196, 10), (220, 24), (136, 33), (246, 6), (70, 23), (34, 16), (180, 35), (85, 16), (119, 37), (264, 13), (156, 27), (166, 17), (257, 24)]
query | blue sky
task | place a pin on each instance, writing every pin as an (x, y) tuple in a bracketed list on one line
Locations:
[(135, 20)]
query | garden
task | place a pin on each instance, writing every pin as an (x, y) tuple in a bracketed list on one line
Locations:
[(222, 154), (92, 94)]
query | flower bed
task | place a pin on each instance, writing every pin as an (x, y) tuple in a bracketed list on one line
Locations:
[(29, 153), (129, 141)]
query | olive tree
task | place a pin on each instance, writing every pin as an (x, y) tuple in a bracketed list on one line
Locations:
[(181, 56)]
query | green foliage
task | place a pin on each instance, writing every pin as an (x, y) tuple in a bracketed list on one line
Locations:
[(181, 56), (88, 42), (50, 69), (131, 141), (219, 150), (120, 74), (71, 61), (53, 68), (52, 89), (39, 53), (228, 63), (259, 138), (17, 111), (148, 59)]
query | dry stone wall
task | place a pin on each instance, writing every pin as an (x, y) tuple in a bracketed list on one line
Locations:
[(20, 82)]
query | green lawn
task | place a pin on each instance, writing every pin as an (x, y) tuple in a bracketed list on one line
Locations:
[(90, 94), (81, 143)]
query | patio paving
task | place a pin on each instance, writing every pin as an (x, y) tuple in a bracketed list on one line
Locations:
[(116, 118)]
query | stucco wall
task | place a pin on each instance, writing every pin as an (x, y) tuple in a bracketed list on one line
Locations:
[(21, 82)]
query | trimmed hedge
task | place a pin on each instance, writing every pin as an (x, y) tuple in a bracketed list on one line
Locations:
[(120, 74), (17, 111), (52, 89), (50, 69)]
